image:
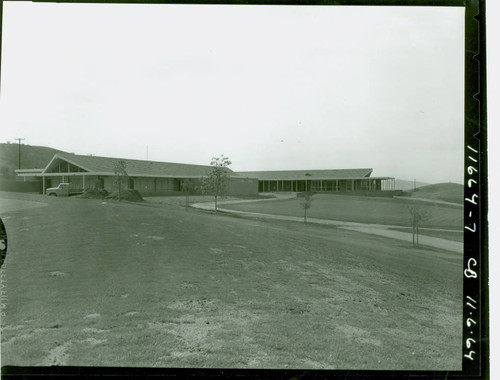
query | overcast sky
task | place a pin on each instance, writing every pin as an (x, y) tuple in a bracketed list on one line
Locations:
[(271, 87)]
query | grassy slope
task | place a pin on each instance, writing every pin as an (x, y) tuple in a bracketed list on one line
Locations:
[(141, 285), (449, 235), (390, 211), (31, 156), (448, 192), (401, 184)]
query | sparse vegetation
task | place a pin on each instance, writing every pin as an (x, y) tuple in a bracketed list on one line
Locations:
[(187, 188), (32, 156), (216, 182), (95, 193), (126, 195), (120, 178), (417, 216), (390, 211), (305, 204), (159, 287), (6, 171)]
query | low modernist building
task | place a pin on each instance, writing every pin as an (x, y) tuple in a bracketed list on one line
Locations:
[(152, 177), (148, 177), (339, 180)]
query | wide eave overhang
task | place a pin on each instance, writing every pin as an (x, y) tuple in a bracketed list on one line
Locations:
[(88, 174)]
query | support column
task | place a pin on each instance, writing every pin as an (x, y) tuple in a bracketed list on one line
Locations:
[(43, 184), (321, 185), (83, 179)]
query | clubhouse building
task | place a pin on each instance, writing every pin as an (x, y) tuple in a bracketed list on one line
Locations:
[(336, 180), (147, 177), (162, 178)]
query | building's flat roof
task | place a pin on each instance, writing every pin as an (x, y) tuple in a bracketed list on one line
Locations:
[(98, 165), (277, 175)]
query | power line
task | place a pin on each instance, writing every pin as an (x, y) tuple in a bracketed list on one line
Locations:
[(19, 139)]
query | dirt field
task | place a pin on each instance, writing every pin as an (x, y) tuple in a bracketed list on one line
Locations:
[(119, 284)]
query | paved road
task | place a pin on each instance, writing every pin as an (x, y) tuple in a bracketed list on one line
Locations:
[(374, 229), (7, 205)]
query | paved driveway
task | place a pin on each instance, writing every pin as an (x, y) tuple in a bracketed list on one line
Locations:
[(7, 205)]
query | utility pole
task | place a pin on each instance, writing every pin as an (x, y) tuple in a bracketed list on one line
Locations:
[(19, 151)]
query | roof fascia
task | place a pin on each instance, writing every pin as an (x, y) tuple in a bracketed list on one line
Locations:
[(301, 170), (108, 174), (64, 159), (193, 176), (323, 178), (28, 174), (50, 162)]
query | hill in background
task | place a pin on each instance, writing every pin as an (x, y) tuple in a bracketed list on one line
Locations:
[(32, 157), (447, 192), (402, 184)]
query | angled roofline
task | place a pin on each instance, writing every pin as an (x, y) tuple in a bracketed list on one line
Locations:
[(66, 159)]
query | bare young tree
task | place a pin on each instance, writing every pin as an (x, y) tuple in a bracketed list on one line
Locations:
[(120, 177), (417, 216), (187, 187), (306, 204), (216, 182)]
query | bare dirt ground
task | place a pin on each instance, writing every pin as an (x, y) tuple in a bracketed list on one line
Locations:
[(94, 283)]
